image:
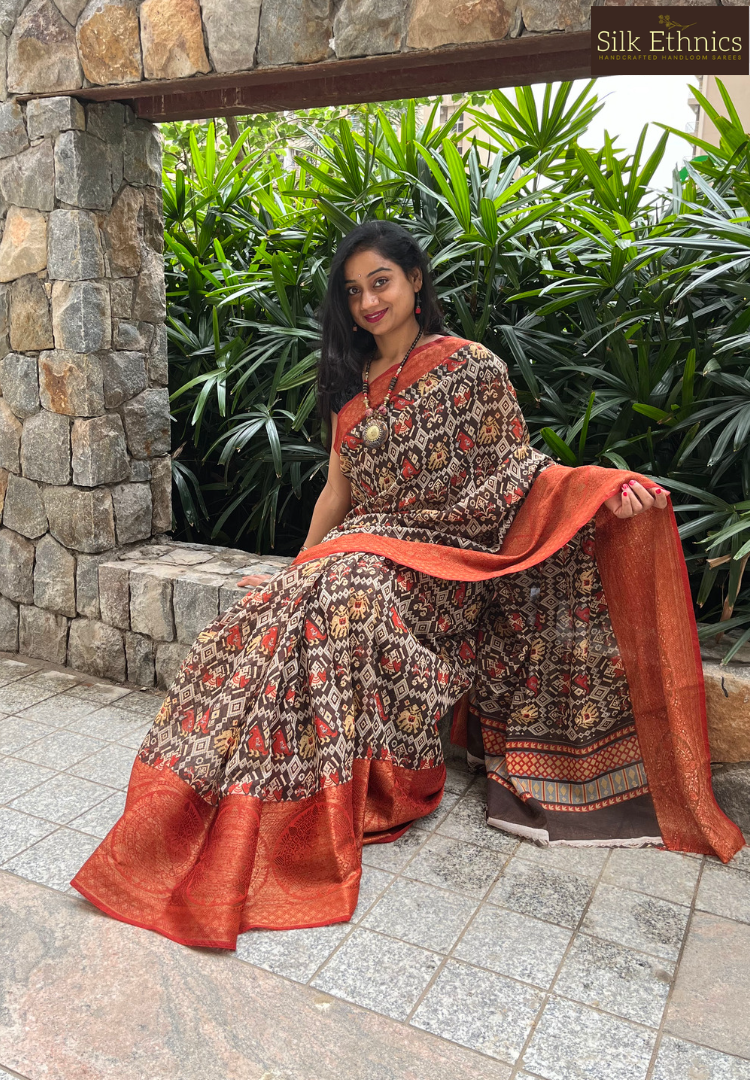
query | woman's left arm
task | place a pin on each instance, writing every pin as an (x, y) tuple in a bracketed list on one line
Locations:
[(633, 498)]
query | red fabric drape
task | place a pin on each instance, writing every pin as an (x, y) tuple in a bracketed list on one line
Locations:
[(202, 874)]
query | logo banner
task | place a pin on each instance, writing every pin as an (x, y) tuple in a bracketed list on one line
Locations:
[(669, 40)]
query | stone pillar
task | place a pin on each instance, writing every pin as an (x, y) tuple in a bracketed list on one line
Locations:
[(84, 406)]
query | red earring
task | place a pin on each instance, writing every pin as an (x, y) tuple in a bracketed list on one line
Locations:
[(417, 309)]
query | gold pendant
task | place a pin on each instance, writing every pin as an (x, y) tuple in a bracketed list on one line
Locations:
[(375, 432)]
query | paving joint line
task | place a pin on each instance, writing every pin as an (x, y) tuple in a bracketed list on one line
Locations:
[(12, 1072), (481, 902), (518, 1064), (673, 981)]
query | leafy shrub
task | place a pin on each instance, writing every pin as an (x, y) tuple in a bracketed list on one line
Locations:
[(621, 311)]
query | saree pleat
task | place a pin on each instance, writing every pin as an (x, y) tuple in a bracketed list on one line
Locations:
[(471, 574)]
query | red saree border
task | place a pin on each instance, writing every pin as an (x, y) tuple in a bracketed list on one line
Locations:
[(200, 873), (422, 359), (666, 683)]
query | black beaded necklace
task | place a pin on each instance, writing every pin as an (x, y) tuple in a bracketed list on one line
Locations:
[(376, 429)]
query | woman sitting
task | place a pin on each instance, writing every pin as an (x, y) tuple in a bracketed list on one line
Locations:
[(449, 565)]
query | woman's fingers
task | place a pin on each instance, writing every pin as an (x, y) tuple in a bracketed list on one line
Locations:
[(641, 498), (253, 579), (633, 498), (625, 509)]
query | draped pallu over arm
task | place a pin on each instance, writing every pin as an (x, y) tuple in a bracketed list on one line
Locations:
[(645, 580)]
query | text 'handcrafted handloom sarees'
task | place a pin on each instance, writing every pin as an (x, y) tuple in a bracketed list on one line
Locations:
[(472, 572)]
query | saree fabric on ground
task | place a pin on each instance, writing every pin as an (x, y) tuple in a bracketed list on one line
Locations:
[(472, 574)]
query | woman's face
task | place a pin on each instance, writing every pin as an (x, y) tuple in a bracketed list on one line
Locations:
[(379, 293)]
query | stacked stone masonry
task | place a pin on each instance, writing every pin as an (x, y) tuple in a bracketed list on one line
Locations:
[(85, 465), (149, 602), (49, 46)]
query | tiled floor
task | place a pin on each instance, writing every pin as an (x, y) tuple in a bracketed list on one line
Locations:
[(562, 963)]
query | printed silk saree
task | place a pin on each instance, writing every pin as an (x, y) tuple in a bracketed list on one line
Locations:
[(472, 574)]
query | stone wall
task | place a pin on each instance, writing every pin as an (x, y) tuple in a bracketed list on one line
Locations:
[(65, 45), (154, 599), (84, 405)]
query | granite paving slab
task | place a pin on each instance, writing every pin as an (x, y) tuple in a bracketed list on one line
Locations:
[(145, 703), (107, 723), (480, 1010), (19, 831), (466, 821), (710, 1002), (553, 895), (58, 711), (453, 864), (394, 856), (431, 822), (630, 984), (637, 921), (12, 670), (726, 892), (18, 777), (112, 765), (503, 910), (584, 862), (665, 874), (678, 1060), (458, 779), (573, 1042), (741, 860), (104, 693), (18, 695), (133, 735), (514, 944), (61, 749), (15, 733), (296, 954), (92, 997), (384, 975), (55, 859), (57, 680), (372, 884), (421, 914), (61, 798), (101, 818)]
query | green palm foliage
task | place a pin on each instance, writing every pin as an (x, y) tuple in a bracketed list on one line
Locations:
[(621, 311)]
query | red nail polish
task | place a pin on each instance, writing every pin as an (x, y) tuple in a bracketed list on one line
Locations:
[(625, 491), (631, 482), (657, 491)]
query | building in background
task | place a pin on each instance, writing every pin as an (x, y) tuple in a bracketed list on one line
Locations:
[(447, 108), (738, 88)]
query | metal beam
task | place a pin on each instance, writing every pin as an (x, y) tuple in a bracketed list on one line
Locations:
[(513, 62)]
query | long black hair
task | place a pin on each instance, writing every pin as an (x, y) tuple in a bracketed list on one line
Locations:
[(342, 352)]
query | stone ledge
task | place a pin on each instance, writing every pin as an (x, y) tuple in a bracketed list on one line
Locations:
[(142, 634), (728, 710), (159, 596)]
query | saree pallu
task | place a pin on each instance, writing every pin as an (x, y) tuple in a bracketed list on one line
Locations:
[(472, 574)]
